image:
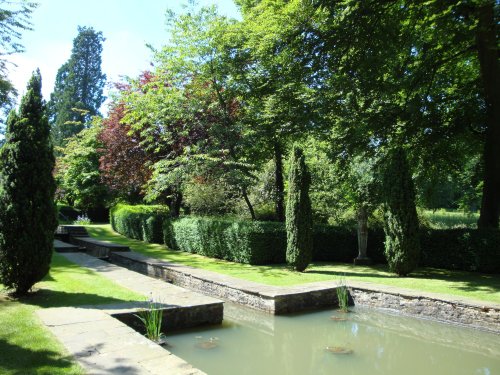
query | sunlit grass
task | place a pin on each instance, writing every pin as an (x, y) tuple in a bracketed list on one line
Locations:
[(464, 284), (445, 219)]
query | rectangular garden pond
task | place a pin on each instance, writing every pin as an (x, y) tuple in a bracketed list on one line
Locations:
[(364, 341)]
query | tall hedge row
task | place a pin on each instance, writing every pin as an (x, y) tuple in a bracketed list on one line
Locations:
[(258, 242)]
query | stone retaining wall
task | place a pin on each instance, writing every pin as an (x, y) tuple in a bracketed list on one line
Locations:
[(96, 248), (282, 300), (471, 315)]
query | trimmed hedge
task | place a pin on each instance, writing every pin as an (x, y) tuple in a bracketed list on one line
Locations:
[(140, 222), (250, 242), (462, 249), (260, 242)]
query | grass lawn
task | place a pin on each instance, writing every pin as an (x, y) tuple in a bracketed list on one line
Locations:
[(465, 284), (26, 346)]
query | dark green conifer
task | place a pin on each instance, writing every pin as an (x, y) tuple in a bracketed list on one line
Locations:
[(298, 213), (402, 246), (78, 90), (27, 210)]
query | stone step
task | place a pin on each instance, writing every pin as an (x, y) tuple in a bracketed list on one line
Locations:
[(97, 248), (64, 247)]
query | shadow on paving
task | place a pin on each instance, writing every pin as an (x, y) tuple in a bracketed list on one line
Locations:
[(14, 357), (54, 298), (89, 357)]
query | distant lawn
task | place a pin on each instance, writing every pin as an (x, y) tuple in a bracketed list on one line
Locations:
[(26, 346), (447, 219), (465, 284)]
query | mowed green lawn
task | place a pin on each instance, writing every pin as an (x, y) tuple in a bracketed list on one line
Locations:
[(465, 284), (26, 346)]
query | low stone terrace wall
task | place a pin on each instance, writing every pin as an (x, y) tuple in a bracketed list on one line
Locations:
[(283, 300)]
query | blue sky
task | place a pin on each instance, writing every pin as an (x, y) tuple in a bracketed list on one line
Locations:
[(127, 26)]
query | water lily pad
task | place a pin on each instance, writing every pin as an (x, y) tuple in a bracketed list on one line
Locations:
[(338, 350), (338, 318), (207, 345)]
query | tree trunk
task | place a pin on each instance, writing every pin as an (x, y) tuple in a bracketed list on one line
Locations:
[(279, 184), (488, 62), (175, 204), (249, 204)]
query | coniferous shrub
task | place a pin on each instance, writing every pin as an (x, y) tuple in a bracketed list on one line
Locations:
[(299, 228), (402, 246), (27, 210)]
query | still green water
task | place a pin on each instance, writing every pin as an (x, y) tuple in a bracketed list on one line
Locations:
[(250, 342)]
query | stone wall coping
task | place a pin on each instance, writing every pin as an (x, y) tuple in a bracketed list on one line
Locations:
[(274, 292)]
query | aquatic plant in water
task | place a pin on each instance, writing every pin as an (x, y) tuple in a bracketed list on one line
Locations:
[(152, 318), (343, 295)]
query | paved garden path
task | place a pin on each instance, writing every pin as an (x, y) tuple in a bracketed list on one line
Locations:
[(104, 345)]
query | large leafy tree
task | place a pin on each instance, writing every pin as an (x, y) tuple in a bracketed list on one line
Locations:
[(276, 90), (187, 114), (422, 73), (122, 153), (78, 90), (77, 171), (27, 210)]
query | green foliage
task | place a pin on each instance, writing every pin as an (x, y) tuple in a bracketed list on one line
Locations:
[(240, 241), (209, 197), (299, 228), (77, 172), (140, 222), (27, 209), (343, 295), (14, 18), (79, 86), (254, 242), (444, 219), (402, 247), (152, 318), (462, 249)]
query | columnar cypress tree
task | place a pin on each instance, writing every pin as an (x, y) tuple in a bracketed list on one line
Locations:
[(27, 209), (402, 246), (298, 213)]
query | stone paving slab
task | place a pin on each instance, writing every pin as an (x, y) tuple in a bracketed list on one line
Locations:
[(103, 345), (282, 300), (182, 308)]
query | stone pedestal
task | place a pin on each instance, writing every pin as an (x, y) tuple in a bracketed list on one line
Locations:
[(362, 261)]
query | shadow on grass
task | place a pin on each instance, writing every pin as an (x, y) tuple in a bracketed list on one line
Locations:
[(53, 298), (19, 360)]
